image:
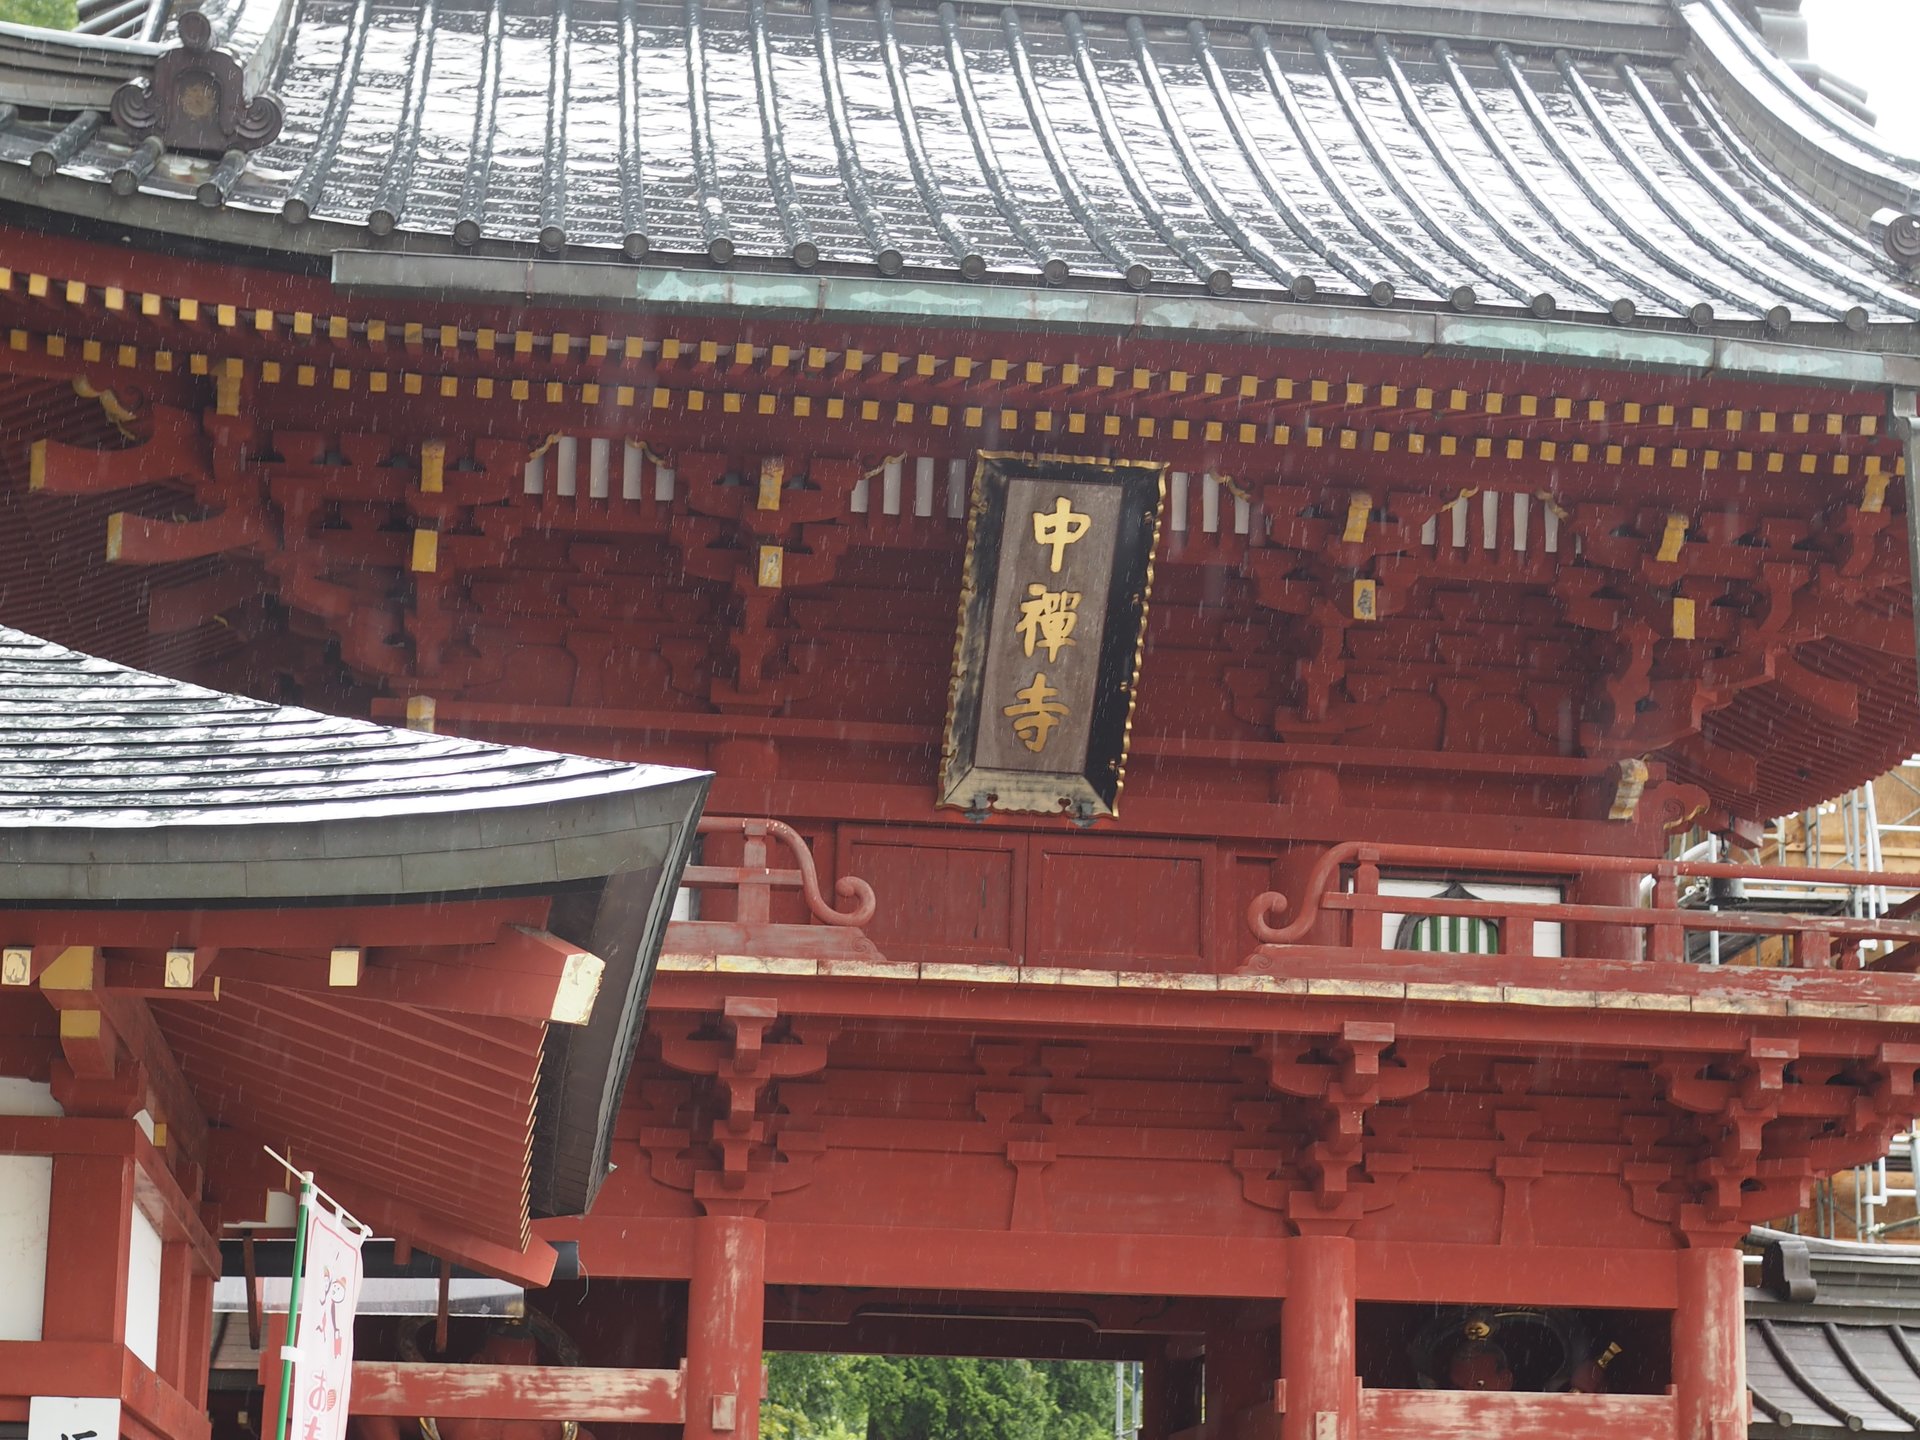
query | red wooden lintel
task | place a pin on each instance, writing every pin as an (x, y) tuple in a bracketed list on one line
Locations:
[(1471, 1414), (56, 1367), (473, 923), (519, 1392), (158, 1193), (1100, 1262)]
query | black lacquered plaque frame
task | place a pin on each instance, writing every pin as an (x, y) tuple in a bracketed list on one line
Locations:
[(1088, 783)]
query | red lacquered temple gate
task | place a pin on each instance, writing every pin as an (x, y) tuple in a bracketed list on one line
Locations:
[(1214, 560)]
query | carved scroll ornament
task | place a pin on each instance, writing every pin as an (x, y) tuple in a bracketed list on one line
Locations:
[(196, 99)]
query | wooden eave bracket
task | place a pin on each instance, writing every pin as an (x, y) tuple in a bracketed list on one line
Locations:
[(142, 540), (525, 973), (172, 451)]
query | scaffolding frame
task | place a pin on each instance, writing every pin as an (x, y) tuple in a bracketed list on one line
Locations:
[(1863, 837)]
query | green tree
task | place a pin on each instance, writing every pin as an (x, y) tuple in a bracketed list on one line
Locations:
[(54, 14), (867, 1397)]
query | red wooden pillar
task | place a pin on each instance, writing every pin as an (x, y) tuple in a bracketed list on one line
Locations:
[(1710, 1345), (726, 1317), (89, 1234), (199, 1344), (1603, 942), (1316, 1340)]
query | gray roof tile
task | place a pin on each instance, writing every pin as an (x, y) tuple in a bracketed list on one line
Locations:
[(115, 783), (1365, 160)]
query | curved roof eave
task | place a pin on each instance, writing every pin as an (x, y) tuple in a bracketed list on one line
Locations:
[(118, 786), (1833, 154), (1415, 181)]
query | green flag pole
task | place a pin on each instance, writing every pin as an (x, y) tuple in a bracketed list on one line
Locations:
[(293, 1304)]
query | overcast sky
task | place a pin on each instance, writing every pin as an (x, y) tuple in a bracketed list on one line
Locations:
[(1872, 43)]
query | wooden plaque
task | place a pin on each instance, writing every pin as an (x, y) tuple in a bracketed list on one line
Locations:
[(1053, 608)]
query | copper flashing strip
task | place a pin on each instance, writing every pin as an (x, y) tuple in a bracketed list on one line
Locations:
[(1543, 204), (1678, 212), (1215, 276), (972, 264), (873, 224), (1359, 215), (1012, 209), (1598, 197), (1751, 215), (1408, 194), (793, 219), (390, 203), (1469, 188), (302, 198), (1131, 268), (715, 231), (1276, 193), (553, 169), (471, 219), (1255, 245), (634, 241)]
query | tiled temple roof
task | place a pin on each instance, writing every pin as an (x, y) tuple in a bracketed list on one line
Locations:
[(1664, 165), (117, 785), (1833, 1339)]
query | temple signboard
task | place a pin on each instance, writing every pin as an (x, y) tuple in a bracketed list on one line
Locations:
[(1053, 608)]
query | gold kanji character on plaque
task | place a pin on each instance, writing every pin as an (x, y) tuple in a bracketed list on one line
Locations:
[(1037, 713), (1058, 528), (1048, 618)]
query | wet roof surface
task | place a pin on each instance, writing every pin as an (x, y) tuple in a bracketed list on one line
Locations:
[(1021, 144), (120, 785), (1815, 1374), (88, 742)]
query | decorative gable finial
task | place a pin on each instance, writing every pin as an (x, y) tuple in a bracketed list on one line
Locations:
[(1898, 232), (196, 100)]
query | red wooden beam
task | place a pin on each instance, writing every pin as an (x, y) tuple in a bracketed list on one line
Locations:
[(526, 975), (42, 1367), (1221, 1266), (173, 450), (1475, 1414), (141, 540), (531, 1266), (1080, 1009), (523, 972), (473, 922), (519, 1392), (179, 1109)]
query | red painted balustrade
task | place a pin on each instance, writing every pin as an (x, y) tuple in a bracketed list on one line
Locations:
[(1343, 894), (1492, 903)]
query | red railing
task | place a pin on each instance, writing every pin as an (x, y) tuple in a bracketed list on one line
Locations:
[(1346, 882), (755, 882)]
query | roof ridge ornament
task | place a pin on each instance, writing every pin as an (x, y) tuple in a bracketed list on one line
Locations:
[(196, 100), (1899, 235)]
